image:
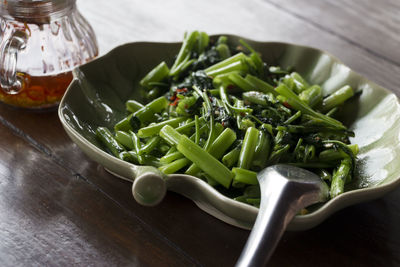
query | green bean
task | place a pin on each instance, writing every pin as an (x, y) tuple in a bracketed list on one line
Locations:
[(337, 98), (223, 51), (222, 40), (174, 166), (184, 52), (142, 115), (202, 42), (132, 157), (339, 177), (276, 155), (256, 98), (186, 128), (299, 82), (146, 114), (197, 131), (241, 82), (248, 148), (294, 101), (171, 157), (211, 133), (332, 112), (312, 96), (260, 85), (256, 59), (137, 146), (207, 163), (336, 154), (217, 148), (170, 135), (133, 105), (309, 152), (262, 150), (124, 124), (150, 145), (109, 141), (158, 74), (293, 117), (225, 100), (233, 59), (125, 139), (240, 65), (232, 157), (244, 176), (154, 129)]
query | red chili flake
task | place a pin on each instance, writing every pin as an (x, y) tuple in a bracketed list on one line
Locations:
[(230, 87), (175, 102), (173, 97), (286, 104), (180, 90)]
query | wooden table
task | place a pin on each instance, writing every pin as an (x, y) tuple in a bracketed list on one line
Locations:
[(59, 208)]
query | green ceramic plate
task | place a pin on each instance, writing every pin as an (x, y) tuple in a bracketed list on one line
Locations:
[(97, 95)]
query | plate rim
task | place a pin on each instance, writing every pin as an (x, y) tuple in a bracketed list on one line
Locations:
[(299, 222)]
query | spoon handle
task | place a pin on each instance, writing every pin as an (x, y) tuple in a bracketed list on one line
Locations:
[(283, 193), (270, 224)]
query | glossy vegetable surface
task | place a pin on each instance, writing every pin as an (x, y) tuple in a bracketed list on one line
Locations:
[(222, 114)]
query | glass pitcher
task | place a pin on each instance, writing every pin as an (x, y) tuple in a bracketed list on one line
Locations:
[(41, 41)]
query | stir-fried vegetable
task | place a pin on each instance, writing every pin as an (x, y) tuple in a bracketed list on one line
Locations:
[(222, 114)]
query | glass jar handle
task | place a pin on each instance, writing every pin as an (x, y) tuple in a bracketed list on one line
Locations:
[(10, 82)]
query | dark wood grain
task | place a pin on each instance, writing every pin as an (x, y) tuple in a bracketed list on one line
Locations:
[(57, 207), (51, 216), (174, 218), (371, 25)]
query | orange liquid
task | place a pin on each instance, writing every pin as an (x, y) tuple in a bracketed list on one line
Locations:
[(39, 91)]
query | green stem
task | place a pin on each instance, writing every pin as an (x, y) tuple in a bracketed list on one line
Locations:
[(171, 157), (174, 166), (154, 129), (125, 139), (217, 148), (109, 141), (133, 105), (158, 74), (339, 177), (244, 176), (150, 145), (232, 157), (337, 98), (248, 148), (260, 85), (241, 82), (311, 96), (170, 135), (295, 102), (186, 48), (205, 161)]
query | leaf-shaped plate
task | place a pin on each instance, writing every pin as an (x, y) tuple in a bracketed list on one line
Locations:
[(97, 98)]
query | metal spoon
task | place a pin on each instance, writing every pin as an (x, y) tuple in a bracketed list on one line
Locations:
[(284, 191)]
